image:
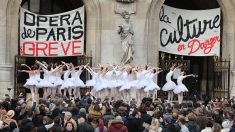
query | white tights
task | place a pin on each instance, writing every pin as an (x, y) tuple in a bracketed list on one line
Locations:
[(180, 97), (170, 96)]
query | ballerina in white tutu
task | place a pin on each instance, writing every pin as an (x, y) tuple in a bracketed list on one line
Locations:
[(170, 85), (152, 86), (46, 82), (33, 80), (181, 88), (68, 84), (57, 73), (78, 82)]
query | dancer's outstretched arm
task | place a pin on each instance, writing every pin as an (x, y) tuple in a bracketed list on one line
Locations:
[(66, 64), (23, 71), (41, 64), (57, 68), (190, 75), (26, 66)]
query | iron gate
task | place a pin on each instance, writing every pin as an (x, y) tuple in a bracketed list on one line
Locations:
[(221, 78)]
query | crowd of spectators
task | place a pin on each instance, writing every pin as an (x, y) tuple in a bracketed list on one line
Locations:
[(90, 114)]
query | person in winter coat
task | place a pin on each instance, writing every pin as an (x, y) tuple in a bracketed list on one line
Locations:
[(84, 126), (192, 125), (181, 123), (27, 124), (117, 125), (134, 123), (169, 126)]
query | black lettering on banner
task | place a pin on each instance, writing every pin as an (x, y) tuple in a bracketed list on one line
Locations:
[(53, 21), (27, 33), (51, 34), (64, 18), (163, 17), (78, 32), (77, 17), (41, 19), (69, 33), (32, 18), (60, 32), (194, 28), (40, 31)]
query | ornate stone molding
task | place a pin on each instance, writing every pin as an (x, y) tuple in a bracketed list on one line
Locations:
[(128, 6)]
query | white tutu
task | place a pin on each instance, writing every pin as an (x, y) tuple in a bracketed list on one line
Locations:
[(44, 84), (151, 86), (52, 79), (30, 82), (58, 82), (169, 86), (128, 85), (119, 83), (90, 83), (142, 83), (180, 88), (79, 83), (67, 84)]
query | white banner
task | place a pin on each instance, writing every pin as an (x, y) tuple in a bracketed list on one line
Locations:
[(52, 35), (189, 32)]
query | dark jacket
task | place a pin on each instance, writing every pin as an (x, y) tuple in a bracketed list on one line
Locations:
[(57, 128), (107, 118), (117, 126), (134, 125), (146, 117), (192, 126), (84, 127), (26, 125), (169, 128)]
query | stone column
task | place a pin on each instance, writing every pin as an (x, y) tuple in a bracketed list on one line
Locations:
[(228, 43), (152, 32), (93, 29), (9, 14), (232, 90), (3, 29)]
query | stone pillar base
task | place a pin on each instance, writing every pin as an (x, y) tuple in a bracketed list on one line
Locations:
[(6, 80)]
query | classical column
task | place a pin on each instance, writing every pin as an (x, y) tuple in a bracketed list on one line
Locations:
[(228, 48), (93, 29), (232, 90), (152, 31), (3, 29)]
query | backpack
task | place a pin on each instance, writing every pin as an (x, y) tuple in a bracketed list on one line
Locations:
[(192, 128)]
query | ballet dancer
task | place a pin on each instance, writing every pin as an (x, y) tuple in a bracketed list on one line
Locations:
[(47, 82), (170, 85), (152, 86), (33, 80), (181, 88)]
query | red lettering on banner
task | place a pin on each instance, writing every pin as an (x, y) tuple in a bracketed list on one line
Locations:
[(51, 48), (38, 48), (75, 47), (195, 45), (181, 47), (25, 45), (67, 48)]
